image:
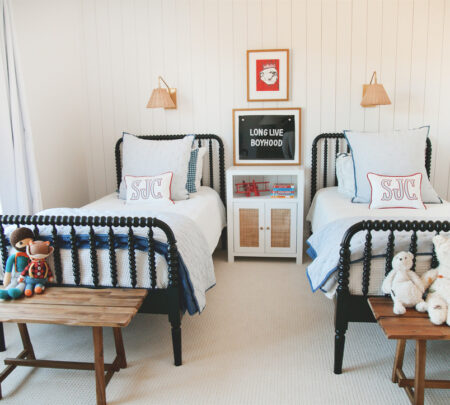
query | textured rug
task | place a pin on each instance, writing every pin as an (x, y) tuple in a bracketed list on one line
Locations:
[(263, 338)]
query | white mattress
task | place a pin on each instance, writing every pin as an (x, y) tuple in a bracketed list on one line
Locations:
[(205, 208), (330, 205)]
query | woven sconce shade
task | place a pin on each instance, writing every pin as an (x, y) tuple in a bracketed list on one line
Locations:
[(374, 94), (160, 98), (163, 98)]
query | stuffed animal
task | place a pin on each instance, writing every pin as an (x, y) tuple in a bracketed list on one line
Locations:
[(16, 263), (438, 280), (405, 286), (38, 272)]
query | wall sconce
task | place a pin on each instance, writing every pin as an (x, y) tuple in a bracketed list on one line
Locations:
[(162, 98), (374, 94)]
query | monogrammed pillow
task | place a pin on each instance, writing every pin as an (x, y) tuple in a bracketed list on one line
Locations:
[(392, 153), (145, 189), (395, 191), (143, 157)]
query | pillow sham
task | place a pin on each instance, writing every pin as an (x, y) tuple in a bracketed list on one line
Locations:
[(395, 191), (394, 153), (345, 174), (195, 170), (143, 157), (145, 189), (199, 172)]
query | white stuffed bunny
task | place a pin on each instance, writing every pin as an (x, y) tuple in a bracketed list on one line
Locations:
[(405, 286), (438, 299)]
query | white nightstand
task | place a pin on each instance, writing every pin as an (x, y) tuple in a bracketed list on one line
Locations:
[(261, 225)]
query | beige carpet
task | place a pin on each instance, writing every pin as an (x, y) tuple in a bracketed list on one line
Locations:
[(264, 338)]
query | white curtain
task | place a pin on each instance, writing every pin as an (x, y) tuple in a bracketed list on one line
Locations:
[(19, 183)]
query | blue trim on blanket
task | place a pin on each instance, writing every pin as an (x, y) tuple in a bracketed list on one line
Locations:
[(313, 255), (141, 243)]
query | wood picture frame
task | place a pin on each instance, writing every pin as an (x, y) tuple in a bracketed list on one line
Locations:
[(268, 75), (266, 136)]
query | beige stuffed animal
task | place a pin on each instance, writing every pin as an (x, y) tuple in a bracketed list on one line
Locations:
[(438, 300), (405, 286)]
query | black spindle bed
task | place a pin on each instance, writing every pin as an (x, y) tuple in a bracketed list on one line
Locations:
[(159, 300), (350, 307)]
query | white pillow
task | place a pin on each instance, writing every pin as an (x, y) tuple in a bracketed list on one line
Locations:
[(145, 189), (395, 191), (345, 174), (199, 171), (143, 157), (394, 153)]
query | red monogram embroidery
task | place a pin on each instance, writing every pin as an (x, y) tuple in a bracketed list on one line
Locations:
[(398, 191), (146, 190)]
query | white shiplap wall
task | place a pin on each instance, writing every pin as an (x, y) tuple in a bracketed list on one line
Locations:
[(199, 46)]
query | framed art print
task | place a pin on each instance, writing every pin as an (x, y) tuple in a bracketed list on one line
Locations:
[(268, 75), (266, 136)]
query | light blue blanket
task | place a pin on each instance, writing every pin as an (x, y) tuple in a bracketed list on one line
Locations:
[(324, 246)]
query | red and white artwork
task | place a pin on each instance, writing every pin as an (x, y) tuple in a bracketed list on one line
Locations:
[(268, 75)]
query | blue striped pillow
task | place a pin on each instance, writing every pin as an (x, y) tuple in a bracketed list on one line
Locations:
[(192, 170)]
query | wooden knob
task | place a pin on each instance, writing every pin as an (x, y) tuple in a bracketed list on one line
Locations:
[(268, 227), (261, 228)]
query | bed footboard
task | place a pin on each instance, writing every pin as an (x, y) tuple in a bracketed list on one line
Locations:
[(159, 300), (354, 308)]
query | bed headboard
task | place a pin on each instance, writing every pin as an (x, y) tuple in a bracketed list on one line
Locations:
[(214, 144), (326, 147)]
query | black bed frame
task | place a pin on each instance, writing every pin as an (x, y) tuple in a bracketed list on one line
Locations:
[(158, 301), (348, 307)]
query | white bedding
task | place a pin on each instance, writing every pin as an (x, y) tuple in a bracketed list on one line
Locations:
[(332, 213), (197, 224), (205, 208), (330, 205)]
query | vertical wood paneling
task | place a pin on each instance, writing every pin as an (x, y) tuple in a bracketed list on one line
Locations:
[(254, 34), (403, 71), (170, 45), (389, 61), (105, 87), (328, 57), (226, 78), (199, 46), (432, 83), (343, 63), (157, 51), (418, 63), (442, 168), (298, 60), (358, 67), (184, 67), (96, 147), (373, 56)]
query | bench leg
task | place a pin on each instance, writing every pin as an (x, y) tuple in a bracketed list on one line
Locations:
[(120, 350), (419, 381), (26, 341), (2, 338), (100, 385), (398, 361)]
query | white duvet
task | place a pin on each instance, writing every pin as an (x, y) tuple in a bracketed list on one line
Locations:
[(197, 224), (332, 213)]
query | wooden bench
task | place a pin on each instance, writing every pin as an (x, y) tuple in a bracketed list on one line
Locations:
[(97, 308), (416, 326)]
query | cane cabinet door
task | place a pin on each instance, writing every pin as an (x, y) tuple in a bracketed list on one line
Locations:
[(248, 227), (280, 227)]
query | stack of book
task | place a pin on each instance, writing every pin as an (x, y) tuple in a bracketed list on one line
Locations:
[(283, 191)]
